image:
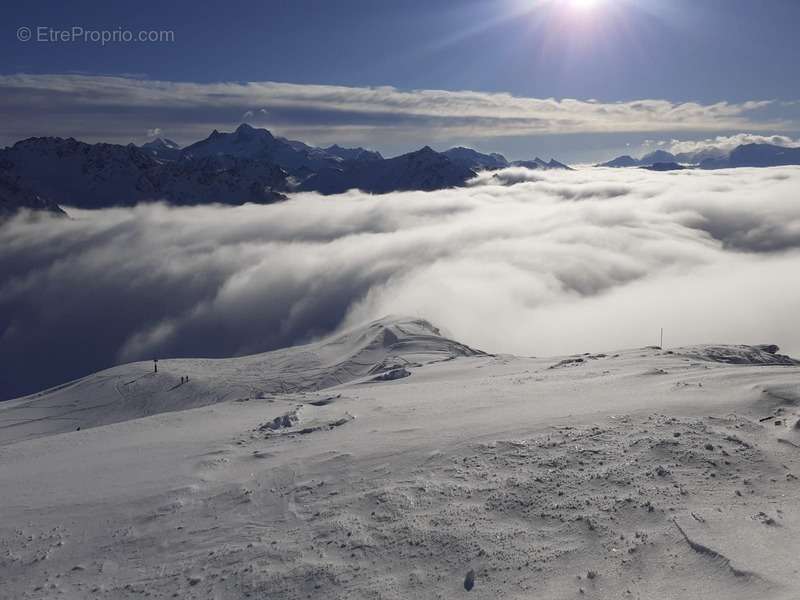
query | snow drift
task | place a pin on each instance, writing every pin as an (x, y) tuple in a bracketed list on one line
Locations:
[(376, 351)]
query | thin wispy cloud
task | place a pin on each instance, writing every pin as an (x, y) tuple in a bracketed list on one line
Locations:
[(726, 143), (118, 105)]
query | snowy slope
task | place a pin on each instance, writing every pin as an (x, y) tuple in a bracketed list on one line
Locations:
[(635, 474), (135, 390), (161, 148)]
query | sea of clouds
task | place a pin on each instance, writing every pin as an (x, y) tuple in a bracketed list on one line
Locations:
[(521, 262)]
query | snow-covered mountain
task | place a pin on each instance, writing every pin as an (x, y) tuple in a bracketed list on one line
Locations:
[(538, 163), (221, 179), (246, 165), (162, 148), (295, 157), (335, 169), (67, 172), (259, 144), (657, 156), (745, 155), (472, 159), (621, 162), (648, 160), (424, 169), (698, 156), (763, 155), (353, 153)]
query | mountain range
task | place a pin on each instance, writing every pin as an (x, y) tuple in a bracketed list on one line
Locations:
[(246, 165), (745, 155), (475, 160)]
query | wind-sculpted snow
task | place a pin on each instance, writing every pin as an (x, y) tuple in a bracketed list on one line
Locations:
[(378, 351), (531, 262)]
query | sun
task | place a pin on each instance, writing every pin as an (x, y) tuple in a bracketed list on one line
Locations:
[(584, 4)]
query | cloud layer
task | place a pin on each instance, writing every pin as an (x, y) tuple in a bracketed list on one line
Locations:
[(524, 262), (121, 108), (721, 144)]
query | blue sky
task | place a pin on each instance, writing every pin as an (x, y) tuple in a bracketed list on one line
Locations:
[(702, 52)]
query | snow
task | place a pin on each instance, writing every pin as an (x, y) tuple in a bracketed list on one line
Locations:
[(72, 173), (424, 169), (380, 349), (642, 473), (246, 165), (716, 157)]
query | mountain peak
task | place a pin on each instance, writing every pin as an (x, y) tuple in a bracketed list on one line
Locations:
[(555, 164), (472, 159), (621, 162), (248, 132), (160, 143), (357, 153), (657, 156)]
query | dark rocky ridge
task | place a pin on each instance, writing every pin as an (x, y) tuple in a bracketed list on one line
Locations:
[(246, 165)]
